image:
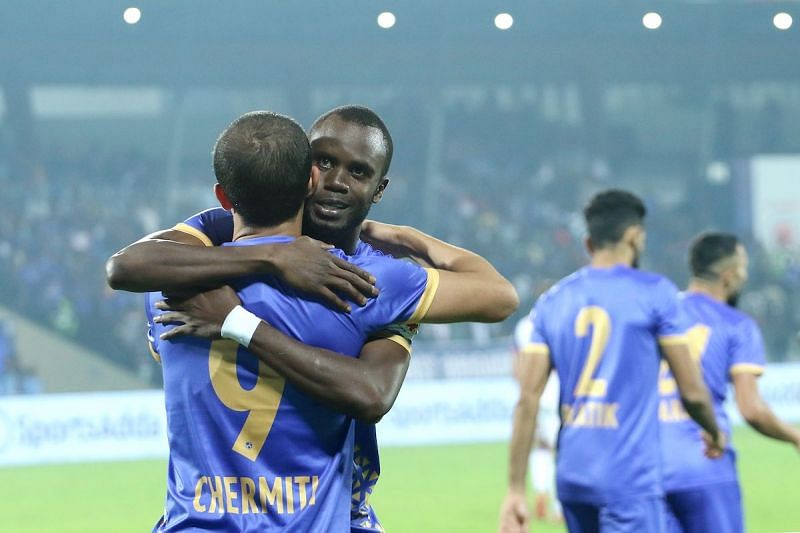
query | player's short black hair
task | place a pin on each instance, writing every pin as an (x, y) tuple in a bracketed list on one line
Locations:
[(263, 161), (364, 116), (707, 250), (609, 213)]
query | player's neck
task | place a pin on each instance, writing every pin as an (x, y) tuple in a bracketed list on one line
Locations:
[(242, 230), (619, 255), (347, 241), (709, 288)]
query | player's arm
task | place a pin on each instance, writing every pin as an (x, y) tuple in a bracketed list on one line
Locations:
[(757, 412), (534, 369), (693, 391), (470, 289), (364, 387), (173, 260)]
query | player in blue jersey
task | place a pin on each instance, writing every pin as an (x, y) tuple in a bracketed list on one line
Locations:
[(349, 147), (604, 329), (703, 495), (249, 450)]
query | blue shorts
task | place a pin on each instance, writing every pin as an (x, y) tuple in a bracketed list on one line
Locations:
[(716, 507), (633, 515)]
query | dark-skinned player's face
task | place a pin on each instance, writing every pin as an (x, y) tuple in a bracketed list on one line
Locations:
[(350, 159)]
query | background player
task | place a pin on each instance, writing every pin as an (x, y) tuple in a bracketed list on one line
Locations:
[(351, 150), (601, 328), (704, 495), (542, 467)]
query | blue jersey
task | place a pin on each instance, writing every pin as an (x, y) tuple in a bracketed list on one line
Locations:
[(248, 451), (601, 329), (214, 227), (725, 341)]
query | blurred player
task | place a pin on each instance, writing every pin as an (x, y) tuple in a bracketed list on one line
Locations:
[(600, 328), (703, 495), (542, 460), (351, 149)]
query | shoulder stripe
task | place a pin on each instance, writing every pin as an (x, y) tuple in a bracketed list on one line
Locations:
[(535, 348), (672, 340), (194, 232), (426, 299), (399, 339), (746, 368)]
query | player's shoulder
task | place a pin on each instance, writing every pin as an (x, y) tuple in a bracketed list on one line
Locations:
[(653, 279), (366, 249), (212, 213), (386, 269), (737, 319), (724, 313), (560, 289)]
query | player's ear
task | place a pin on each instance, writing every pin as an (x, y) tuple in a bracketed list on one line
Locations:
[(379, 191), (587, 242), (313, 180), (222, 197), (635, 236)]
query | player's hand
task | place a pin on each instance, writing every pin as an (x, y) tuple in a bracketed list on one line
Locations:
[(715, 448), (306, 265), (198, 315), (514, 514)]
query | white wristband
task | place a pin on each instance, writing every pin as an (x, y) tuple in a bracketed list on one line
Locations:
[(240, 326)]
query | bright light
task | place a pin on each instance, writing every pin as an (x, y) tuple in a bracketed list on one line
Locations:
[(386, 20), (718, 172), (132, 15), (503, 21), (652, 20), (782, 21)]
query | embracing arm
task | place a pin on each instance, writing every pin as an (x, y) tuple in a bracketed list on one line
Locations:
[(470, 288), (364, 388), (172, 260)]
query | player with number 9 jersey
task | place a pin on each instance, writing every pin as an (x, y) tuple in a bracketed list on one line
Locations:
[(248, 451), (601, 328)]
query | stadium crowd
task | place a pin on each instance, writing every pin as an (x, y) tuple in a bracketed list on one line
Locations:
[(519, 207)]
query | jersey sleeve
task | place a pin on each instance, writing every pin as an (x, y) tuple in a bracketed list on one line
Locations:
[(406, 291), (671, 323), (747, 350), (152, 334), (400, 333), (212, 226), (537, 342)]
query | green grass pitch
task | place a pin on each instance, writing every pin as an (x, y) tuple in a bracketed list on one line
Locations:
[(443, 488)]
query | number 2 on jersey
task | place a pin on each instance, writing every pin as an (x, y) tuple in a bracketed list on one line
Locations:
[(261, 402), (598, 319)]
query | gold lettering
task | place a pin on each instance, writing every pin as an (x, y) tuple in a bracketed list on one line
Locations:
[(216, 495), (610, 416), (289, 496), (314, 485), (591, 414), (248, 495), (231, 495), (301, 482), (198, 493), (272, 495)]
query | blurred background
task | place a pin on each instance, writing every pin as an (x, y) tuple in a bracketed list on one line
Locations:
[(506, 117)]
